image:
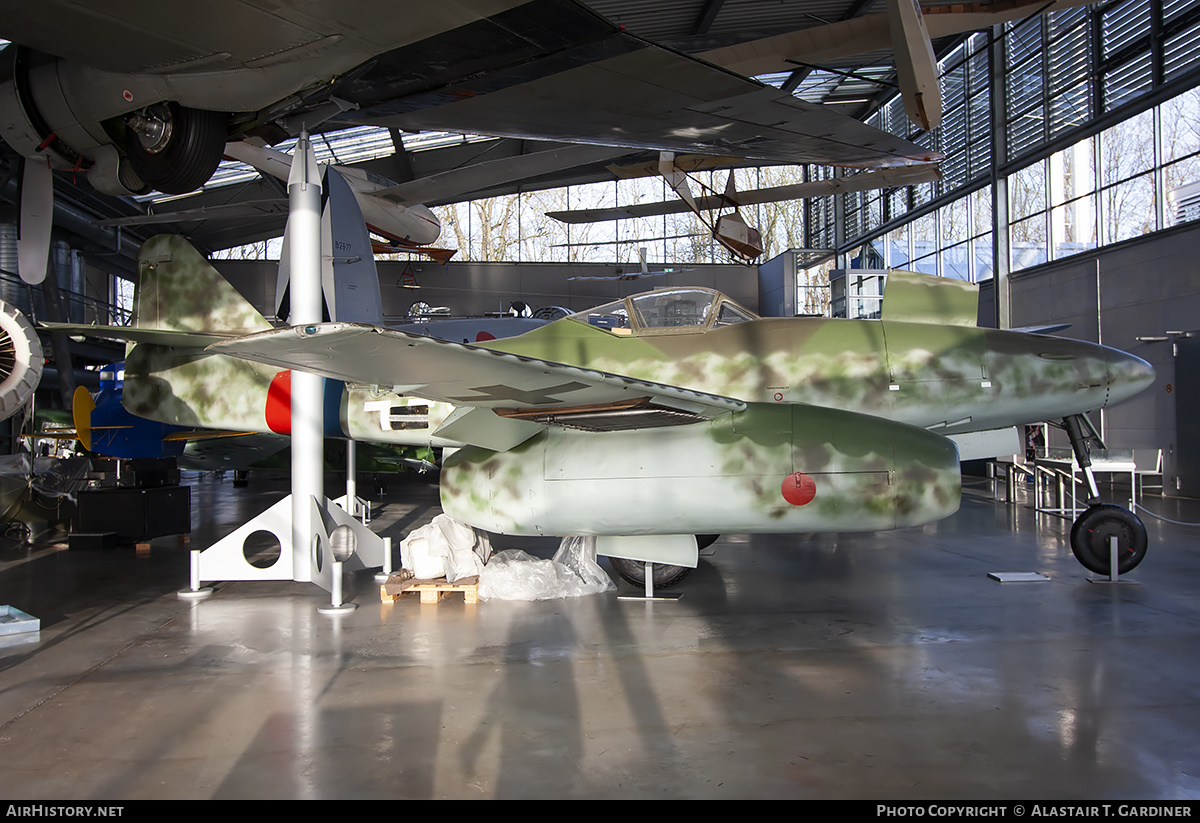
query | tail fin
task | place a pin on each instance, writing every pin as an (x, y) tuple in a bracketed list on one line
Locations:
[(178, 291), (182, 305)]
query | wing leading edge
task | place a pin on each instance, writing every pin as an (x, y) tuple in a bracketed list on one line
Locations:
[(502, 399)]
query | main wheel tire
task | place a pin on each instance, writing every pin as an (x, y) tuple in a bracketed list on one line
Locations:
[(184, 154), (634, 571), (1092, 530)]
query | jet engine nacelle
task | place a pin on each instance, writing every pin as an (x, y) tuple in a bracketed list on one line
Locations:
[(767, 469)]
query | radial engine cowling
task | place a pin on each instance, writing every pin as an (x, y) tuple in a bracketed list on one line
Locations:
[(21, 361), (785, 468)]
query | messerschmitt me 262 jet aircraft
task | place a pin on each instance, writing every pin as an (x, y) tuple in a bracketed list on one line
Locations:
[(652, 419)]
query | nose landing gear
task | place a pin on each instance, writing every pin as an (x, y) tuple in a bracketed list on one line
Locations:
[(1092, 532)]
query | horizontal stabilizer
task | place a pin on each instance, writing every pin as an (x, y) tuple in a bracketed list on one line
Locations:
[(912, 297), (129, 334)]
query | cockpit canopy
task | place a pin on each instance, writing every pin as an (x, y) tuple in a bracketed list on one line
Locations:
[(682, 310)]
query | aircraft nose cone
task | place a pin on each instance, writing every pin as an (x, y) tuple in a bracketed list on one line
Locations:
[(1127, 376)]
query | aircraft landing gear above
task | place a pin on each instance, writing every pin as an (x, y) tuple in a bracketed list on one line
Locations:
[(1092, 532), (173, 148)]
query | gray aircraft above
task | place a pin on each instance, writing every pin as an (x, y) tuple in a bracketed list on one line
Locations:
[(145, 96), (651, 419)]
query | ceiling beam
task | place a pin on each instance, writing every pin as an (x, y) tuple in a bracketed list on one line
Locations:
[(711, 9)]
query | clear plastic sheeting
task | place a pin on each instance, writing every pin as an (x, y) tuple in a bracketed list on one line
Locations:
[(572, 572), (56, 477), (445, 548), (50, 479)]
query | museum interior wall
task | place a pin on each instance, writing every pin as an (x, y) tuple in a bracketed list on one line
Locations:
[(480, 288), (1134, 296)]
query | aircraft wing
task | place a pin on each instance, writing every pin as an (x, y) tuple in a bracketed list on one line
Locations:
[(536, 69), (869, 33), (582, 79), (449, 186), (159, 38), (503, 399), (883, 178), (229, 211)]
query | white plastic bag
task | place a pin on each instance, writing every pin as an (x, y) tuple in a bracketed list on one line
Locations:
[(444, 548), (517, 575)]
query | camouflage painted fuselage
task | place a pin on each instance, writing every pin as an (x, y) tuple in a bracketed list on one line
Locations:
[(845, 403), (841, 431), (770, 468), (949, 378)]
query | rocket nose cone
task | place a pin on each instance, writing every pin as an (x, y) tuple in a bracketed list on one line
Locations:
[(1127, 376)]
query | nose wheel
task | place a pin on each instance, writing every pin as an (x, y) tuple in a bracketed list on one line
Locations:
[(1093, 531)]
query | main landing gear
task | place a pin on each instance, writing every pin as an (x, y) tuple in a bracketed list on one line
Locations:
[(664, 575), (1093, 531)]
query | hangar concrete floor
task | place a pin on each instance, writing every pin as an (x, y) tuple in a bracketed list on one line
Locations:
[(844, 666)]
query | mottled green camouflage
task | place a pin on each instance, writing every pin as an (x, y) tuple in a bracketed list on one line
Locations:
[(966, 379), (845, 402), (178, 291), (724, 475)]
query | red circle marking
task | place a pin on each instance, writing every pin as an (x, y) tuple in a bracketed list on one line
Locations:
[(279, 403), (778, 395), (798, 488)]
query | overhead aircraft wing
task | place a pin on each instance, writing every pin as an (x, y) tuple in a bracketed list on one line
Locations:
[(503, 399), (537, 69), (883, 178), (871, 32), (161, 38), (229, 211), (602, 85), (449, 186)]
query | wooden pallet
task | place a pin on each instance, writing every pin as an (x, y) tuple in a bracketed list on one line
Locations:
[(431, 590)]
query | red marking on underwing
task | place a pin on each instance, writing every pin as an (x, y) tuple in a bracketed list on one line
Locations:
[(798, 488), (484, 335), (279, 403)]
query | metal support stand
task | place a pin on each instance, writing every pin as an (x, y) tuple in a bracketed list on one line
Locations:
[(195, 591), (336, 606), (1114, 573), (352, 503), (312, 532), (383, 575), (1114, 558), (650, 594)]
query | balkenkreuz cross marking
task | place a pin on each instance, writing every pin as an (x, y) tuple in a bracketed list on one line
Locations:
[(541, 397)]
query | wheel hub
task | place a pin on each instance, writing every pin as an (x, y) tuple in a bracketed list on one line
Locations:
[(154, 127)]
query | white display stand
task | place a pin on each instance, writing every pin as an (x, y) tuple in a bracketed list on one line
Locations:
[(304, 521)]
